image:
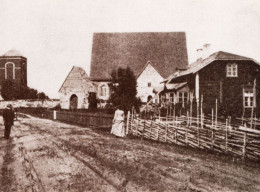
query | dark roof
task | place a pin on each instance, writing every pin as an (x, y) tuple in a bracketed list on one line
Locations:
[(165, 51), (200, 64)]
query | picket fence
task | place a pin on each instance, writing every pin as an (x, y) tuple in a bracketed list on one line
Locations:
[(198, 133)]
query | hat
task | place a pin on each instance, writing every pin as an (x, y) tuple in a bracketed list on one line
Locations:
[(9, 106)]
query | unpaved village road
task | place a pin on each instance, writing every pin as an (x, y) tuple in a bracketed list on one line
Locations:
[(44, 155)]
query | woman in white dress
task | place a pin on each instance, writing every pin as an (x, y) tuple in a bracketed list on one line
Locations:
[(118, 127)]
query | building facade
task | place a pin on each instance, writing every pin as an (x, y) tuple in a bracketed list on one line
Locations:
[(227, 81), (151, 56), (13, 67), (75, 90)]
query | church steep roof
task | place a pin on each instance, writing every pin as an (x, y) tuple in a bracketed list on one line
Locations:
[(166, 50), (12, 53)]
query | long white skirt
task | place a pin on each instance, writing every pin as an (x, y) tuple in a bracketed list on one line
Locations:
[(118, 129)]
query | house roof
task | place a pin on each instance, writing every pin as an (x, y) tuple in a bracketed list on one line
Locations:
[(175, 86), (12, 53), (76, 77), (165, 50), (200, 64)]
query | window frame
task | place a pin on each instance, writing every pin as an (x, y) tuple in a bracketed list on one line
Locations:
[(249, 99), (103, 90), (181, 97), (232, 70)]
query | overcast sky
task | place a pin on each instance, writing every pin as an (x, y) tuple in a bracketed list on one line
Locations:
[(54, 35)]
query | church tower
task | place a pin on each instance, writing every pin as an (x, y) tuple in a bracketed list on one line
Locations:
[(13, 67)]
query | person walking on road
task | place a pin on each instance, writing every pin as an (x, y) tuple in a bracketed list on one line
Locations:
[(8, 117), (118, 127)]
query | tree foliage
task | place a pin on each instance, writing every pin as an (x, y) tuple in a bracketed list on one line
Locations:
[(12, 91), (123, 89), (92, 100)]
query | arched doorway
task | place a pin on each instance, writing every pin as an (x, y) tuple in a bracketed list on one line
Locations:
[(73, 102), (149, 98)]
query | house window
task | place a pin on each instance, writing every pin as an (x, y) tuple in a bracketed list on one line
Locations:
[(249, 99), (232, 70), (149, 84), (183, 98), (103, 90), (163, 98), (171, 98), (9, 71)]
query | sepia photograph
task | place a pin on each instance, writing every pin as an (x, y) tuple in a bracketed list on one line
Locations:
[(129, 95)]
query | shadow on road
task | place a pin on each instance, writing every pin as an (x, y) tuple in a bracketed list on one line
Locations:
[(7, 175)]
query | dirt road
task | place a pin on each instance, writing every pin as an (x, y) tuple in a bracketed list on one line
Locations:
[(44, 155)]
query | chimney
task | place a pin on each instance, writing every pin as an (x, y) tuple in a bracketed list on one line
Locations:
[(206, 50), (199, 54)]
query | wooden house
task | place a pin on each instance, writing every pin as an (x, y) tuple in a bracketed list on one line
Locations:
[(227, 81), (151, 56)]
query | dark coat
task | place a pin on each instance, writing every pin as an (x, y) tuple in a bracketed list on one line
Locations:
[(8, 116)]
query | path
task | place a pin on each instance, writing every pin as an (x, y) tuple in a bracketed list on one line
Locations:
[(45, 155)]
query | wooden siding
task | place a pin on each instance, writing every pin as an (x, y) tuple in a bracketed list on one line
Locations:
[(214, 84)]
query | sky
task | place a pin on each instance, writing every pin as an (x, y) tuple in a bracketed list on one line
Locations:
[(55, 35)]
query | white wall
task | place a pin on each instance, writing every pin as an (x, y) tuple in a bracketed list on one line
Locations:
[(82, 100), (148, 75)]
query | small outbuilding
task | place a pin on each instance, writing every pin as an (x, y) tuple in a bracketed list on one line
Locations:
[(76, 89)]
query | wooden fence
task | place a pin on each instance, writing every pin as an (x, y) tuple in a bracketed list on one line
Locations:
[(198, 133), (96, 120)]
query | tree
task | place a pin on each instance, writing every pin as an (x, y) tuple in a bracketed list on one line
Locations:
[(123, 89), (11, 91), (92, 100), (42, 95)]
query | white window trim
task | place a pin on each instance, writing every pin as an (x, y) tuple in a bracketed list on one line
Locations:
[(182, 97), (253, 95), (13, 69), (99, 91), (229, 68)]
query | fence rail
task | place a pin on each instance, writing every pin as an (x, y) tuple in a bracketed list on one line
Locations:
[(97, 120), (198, 134)]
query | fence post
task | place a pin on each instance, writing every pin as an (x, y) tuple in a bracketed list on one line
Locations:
[(212, 138), (244, 146), (157, 136), (186, 135), (226, 148), (127, 122), (143, 130), (216, 120), (198, 136), (166, 132), (175, 135), (151, 129), (54, 115)]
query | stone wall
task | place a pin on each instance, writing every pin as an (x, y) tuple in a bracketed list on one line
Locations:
[(30, 103)]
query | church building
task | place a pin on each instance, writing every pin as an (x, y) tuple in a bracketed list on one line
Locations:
[(152, 56), (13, 67)]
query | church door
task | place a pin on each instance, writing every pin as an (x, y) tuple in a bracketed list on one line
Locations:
[(73, 102)]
